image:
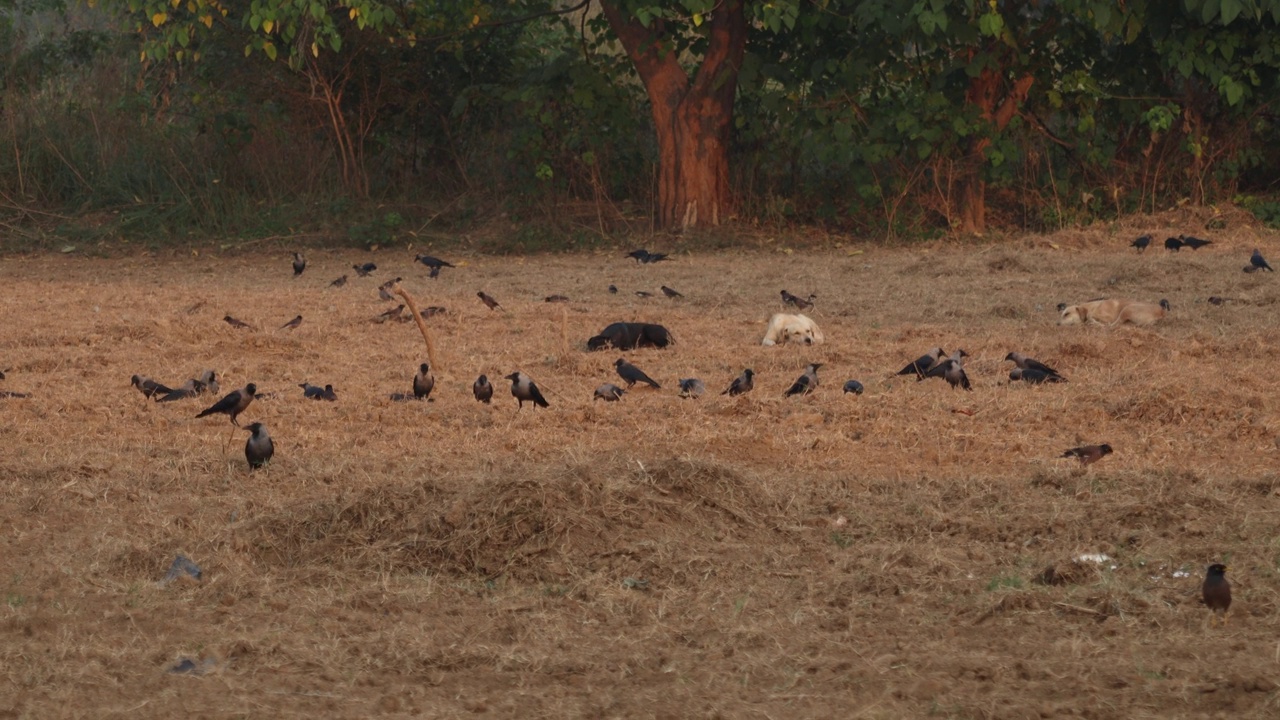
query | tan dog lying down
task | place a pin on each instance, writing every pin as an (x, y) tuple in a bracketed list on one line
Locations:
[(1112, 312)]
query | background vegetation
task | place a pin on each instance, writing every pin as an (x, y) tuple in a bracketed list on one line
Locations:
[(359, 122)]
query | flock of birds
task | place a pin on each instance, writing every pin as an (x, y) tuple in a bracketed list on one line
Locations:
[(1175, 244)]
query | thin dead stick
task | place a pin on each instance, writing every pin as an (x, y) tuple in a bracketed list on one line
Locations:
[(564, 330), (1079, 609), (422, 325)]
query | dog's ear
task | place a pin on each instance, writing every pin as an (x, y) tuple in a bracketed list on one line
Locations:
[(1083, 312)]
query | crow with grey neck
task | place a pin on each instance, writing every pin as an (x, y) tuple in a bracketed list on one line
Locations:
[(423, 382), (953, 372), (522, 388), (921, 365), (806, 383), (1025, 363), (633, 374), (232, 404), (742, 384), (299, 264), (148, 387), (259, 448), (315, 392), (482, 389), (939, 367), (1033, 376), (608, 392), (692, 388)]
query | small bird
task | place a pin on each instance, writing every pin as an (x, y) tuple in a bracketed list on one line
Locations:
[(644, 293), (692, 388), (1035, 377), (148, 387), (853, 386), (797, 301), (1216, 592), (633, 374), (488, 300), (432, 311), (423, 382), (237, 324), (299, 264), (1173, 244), (741, 384), (292, 324), (315, 392), (339, 282), (608, 392), (1194, 243), (613, 289), (557, 298), (233, 403), (671, 293), (1026, 363), (259, 448), (384, 290), (365, 269), (1088, 454), (523, 388), (954, 374), (1141, 243), (921, 365), (1215, 300), (392, 314), (482, 389), (806, 383), (1259, 262)]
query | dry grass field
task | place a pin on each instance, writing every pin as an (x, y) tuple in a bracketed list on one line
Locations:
[(836, 556)]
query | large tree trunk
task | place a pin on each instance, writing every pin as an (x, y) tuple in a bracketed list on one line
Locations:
[(692, 119), (984, 91)]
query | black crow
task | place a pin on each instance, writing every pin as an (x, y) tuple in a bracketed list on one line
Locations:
[(921, 365), (671, 293), (1259, 262), (806, 383), (339, 282), (237, 324), (632, 374), (692, 388), (608, 392), (292, 324), (853, 386), (1035, 377), (1027, 363), (259, 448), (1173, 244), (1141, 243), (148, 387), (434, 263), (613, 289), (1088, 454), (315, 392), (523, 388), (654, 257), (423, 382), (233, 403), (365, 269), (1194, 243), (741, 384), (640, 255), (482, 389), (299, 264), (488, 300)]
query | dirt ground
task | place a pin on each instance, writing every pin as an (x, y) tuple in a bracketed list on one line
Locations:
[(830, 556)]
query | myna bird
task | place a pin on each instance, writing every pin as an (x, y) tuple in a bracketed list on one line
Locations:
[(299, 264), (148, 387), (365, 269), (488, 300), (423, 382), (233, 403), (671, 293), (1259, 262), (633, 374), (953, 372), (237, 324), (853, 386), (921, 365), (314, 392), (806, 383), (339, 282), (432, 311), (741, 384), (557, 299), (1035, 377), (797, 301), (1027, 363), (523, 388), (1173, 244), (608, 392), (482, 389), (1194, 243), (384, 290), (644, 293), (692, 388), (1088, 454), (1141, 243), (1216, 592), (259, 448), (392, 314), (613, 289), (292, 324)]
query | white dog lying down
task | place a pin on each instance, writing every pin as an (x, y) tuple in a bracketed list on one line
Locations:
[(1113, 312), (784, 328)]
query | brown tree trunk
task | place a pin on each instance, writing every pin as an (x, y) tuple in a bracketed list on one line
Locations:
[(984, 91), (692, 118)]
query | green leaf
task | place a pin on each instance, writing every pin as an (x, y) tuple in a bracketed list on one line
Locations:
[(1231, 10), (1209, 10)]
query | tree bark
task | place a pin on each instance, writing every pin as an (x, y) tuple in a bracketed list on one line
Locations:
[(984, 91), (692, 118)]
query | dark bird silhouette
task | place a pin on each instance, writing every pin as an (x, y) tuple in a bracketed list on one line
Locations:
[(1215, 300), (233, 403), (557, 299), (1173, 244), (206, 383), (259, 448), (339, 282), (365, 269), (488, 300), (671, 292), (806, 383), (314, 392), (741, 384), (1, 374), (148, 387), (921, 365), (523, 388), (299, 264), (1027, 363), (1088, 454), (644, 293), (432, 311), (1035, 377), (613, 289), (1194, 243), (292, 324), (654, 257), (392, 314), (1216, 592), (434, 263), (953, 372), (692, 388), (940, 367), (237, 324), (853, 386), (798, 302), (633, 374), (1141, 243), (1259, 262), (608, 392), (482, 389), (423, 382), (640, 255)]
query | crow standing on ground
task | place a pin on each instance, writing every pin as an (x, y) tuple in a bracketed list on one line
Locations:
[(797, 301), (233, 403), (365, 269), (523, 388), (921, 365), (692, 388), (314, 392), (741, 384), (299, 264), (853, 386), (646, 257), (613, 289), (671, 293), (1035, 377), (633, 374), (608, 392), (292, 324), (940, 368), (1259, 262), (1026, 363), (1141, 243), (482, 389), (434, 263), (953, 372), (259, 448), (806, 383), (1088, 454), (148, 387), (423, 382), (488, 300), (1173, 244), (1194, 243)]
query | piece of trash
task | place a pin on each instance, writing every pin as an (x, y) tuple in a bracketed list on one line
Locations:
[(851, 253), (1181, 573), (635, 584), (1094, 558), (182, 567)]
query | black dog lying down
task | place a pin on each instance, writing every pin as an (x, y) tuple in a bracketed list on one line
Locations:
[(628, 336)]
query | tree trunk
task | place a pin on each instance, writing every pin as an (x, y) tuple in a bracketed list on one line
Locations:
[(984, 92), (692, 119)]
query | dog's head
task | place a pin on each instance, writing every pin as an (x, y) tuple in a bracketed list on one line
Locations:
[(1073, 315), (799, 335)]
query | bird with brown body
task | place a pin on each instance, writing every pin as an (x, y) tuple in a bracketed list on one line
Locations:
[(1216, 592), (797, 301), (1088, 454), (292, 324), (488, 300), (671, 292), (339, 282), (237, 324)]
